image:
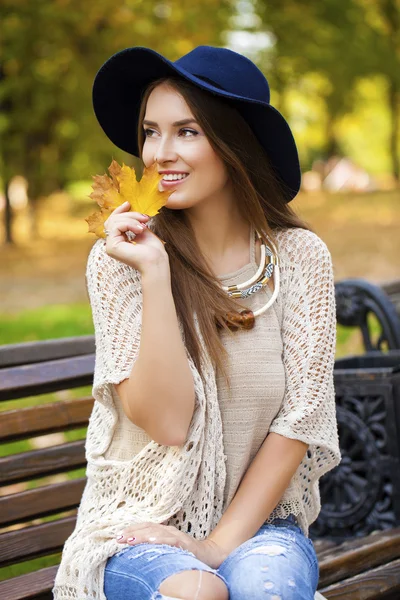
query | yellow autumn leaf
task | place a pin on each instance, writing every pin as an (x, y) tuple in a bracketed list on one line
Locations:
[(110, 192), (96, 222)]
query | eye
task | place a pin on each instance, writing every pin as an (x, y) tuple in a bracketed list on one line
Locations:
[(148, 132), (190, 131)]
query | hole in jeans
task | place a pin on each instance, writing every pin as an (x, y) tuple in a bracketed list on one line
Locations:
[(270, 550)]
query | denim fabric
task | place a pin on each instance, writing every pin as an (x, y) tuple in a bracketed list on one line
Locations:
[(278, 563)]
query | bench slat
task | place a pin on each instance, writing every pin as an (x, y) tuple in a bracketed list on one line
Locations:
[(41, 502), (32, 586), (26, 353), (46, 418), (357, 556), (38, 463), (35, 541), (382, 583), (45, 377)]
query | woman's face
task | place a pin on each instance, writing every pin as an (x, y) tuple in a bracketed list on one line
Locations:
[(177, 143)]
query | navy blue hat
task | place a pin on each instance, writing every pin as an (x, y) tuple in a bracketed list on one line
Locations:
[(119, 85)]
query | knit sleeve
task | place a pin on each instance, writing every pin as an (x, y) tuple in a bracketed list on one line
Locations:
[(116, 300), (114, 291), (308, 410)]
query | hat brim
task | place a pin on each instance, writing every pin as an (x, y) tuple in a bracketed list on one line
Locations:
[(117, 94)]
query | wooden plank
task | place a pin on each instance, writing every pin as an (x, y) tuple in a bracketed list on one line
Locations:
[(356, 542), (38, 463), (41, 502), (359, 555), (32, 586), (45, 377), (382, 583), (35, 541), (43, 419), (26, 353), (321, 545)]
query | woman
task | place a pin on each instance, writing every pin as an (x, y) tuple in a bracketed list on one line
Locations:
[(214, 415)]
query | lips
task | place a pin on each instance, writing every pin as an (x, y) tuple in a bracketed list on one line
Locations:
[(172, 184)]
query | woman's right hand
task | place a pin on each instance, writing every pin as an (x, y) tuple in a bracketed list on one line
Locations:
[(148, 251)]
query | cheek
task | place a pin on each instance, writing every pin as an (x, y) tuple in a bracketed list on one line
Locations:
[(215, 174), (147, 155), (207, 165)]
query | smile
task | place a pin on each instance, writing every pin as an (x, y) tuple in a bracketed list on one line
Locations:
[(170, 181)]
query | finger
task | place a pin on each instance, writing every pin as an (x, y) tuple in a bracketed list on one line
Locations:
[(152, 539), (137, 216), (128, 217), (117, 230), (127, 207), (142, 529), (121, 208)]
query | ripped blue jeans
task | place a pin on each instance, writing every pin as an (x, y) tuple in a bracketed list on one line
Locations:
[(278, 563)]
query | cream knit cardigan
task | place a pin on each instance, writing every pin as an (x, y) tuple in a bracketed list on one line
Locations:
[(184, 485)]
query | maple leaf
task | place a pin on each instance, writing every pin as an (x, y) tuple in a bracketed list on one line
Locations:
[(110, 192)]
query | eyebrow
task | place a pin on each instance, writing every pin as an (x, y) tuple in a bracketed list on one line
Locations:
[(176, 124)]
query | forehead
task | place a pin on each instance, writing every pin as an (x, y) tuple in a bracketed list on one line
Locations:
[(166, 103)]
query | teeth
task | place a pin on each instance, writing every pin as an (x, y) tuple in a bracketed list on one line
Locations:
[(174, 177)]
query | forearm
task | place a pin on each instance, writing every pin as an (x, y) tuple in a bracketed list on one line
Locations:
[(161, 387), (260, 490)]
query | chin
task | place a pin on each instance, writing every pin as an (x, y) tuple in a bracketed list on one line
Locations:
[(176, 201)]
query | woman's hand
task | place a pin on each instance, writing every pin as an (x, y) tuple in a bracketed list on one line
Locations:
[(205, 550), (148, 251)]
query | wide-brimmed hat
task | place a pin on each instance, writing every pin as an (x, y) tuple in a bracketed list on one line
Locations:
[(121, 81)]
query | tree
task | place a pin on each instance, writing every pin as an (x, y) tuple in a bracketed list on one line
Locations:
[(51, 52)]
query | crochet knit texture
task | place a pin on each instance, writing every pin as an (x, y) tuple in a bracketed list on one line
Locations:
[(184, 485)]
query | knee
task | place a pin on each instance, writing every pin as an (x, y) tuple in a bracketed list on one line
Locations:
[(272, 579), (195, 585)]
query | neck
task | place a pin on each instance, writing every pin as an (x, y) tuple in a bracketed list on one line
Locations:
[(220, 230)]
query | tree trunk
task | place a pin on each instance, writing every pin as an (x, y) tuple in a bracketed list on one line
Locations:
[(394, 95), (7, 215)]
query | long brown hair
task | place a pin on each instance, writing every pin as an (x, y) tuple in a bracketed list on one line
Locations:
[(194, 287)]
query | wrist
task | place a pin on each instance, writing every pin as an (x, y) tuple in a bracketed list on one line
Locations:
[(157, 272)]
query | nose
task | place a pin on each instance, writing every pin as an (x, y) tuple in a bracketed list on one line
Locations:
[(165, 151)]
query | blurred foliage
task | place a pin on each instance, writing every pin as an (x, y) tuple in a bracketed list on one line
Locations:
[(340, 42), (333, 68), (50, 53)]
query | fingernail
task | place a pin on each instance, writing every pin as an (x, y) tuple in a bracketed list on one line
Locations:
[(131, 539), (144, 215), (119, 537)]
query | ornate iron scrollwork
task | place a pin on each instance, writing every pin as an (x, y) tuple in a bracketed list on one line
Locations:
[(358, 496), (355, 299)]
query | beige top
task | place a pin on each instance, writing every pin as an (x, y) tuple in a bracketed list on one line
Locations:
[(257, 376), (257, 379), (282, 381)]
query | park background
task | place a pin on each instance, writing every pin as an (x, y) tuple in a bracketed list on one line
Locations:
[(334, 71)]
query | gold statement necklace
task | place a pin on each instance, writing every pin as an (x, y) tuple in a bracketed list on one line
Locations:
[(268, 268)]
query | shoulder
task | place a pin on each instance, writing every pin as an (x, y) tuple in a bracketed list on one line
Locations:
[(301, 245)]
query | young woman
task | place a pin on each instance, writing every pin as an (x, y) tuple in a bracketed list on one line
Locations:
[(214, 413)]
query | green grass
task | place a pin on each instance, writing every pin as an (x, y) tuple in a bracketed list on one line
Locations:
[(60, 320), (29, 566)]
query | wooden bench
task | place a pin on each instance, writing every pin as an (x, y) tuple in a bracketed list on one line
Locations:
[(32, 369), (36, 522)]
